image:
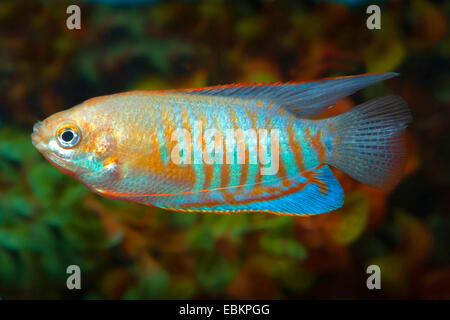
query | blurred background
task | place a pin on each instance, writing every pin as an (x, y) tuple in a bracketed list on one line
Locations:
[(49, 221)]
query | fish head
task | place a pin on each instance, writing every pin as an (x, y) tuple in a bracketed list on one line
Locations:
[(77, 141)]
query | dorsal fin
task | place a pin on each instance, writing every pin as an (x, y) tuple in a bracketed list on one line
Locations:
[(304, 99)]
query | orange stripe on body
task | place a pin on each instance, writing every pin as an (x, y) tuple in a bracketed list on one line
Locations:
[(316, 142), (296, 148)]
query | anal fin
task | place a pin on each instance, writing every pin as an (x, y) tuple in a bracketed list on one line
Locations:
[(320, 193)]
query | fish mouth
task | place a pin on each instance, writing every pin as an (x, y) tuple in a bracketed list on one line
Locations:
[(36, 135)]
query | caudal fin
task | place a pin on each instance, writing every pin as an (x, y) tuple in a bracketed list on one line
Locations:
[(370, 144)]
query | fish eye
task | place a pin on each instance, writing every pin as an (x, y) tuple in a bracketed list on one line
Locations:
[(68, 136)]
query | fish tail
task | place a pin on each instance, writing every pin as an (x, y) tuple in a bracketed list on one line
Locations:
[(367, 142)]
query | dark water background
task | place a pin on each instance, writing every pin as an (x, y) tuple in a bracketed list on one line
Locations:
[(49, 221)]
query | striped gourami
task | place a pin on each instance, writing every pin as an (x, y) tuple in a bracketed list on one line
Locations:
[(122, 146)]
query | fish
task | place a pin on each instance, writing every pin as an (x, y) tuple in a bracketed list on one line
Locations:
[(127, 146)]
